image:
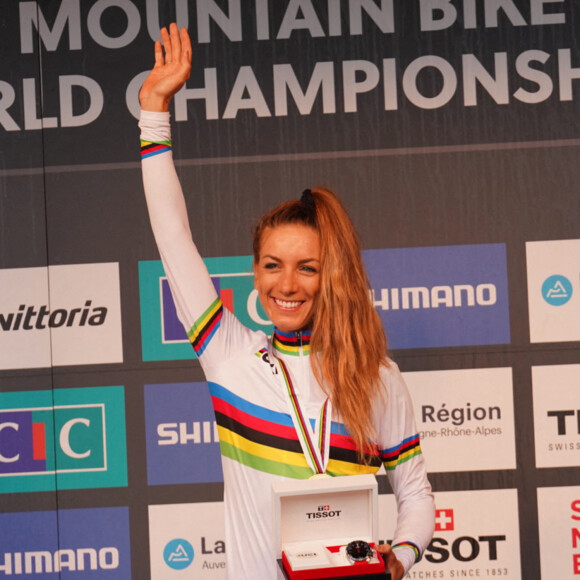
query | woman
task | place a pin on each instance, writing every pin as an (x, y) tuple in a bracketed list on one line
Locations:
[(326, 361)]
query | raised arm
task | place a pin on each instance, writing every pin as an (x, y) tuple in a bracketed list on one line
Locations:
[(192, 289)]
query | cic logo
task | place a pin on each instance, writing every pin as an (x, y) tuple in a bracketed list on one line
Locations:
[(557, 290), (75, 436)]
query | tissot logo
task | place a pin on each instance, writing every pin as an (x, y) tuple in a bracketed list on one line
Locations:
[(567, 421), (465, 548), (556, 415), (476, 535), (441, 296), (163, 336), (323, 512), (80, 437), (444, 521)]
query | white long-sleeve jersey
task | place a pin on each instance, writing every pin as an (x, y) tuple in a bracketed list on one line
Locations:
[(258, 441)]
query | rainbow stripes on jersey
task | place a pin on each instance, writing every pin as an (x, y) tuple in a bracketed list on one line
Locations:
[(409, 545), (206, 326), (266, 440), (150, 148), (292, 343), (407, 449)]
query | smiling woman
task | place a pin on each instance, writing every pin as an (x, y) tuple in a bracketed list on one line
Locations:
[(287, 275), (319, 396)]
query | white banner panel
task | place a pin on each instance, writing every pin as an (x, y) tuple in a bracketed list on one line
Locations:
[(554, 290), (187, 541), (556, 390), (63, 315), (559, 532), (465, 418), (476, 535), (24, 337)]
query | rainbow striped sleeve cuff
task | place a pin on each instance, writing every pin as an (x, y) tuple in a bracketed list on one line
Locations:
[(149, 148), (407, 449), (409, 545)]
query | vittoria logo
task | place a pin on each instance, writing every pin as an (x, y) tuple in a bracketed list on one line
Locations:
[(73, 320), (33, 318)]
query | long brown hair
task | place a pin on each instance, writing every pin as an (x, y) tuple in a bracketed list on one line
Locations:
[(348, 345)]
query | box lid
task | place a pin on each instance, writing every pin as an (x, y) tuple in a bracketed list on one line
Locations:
[(325, 509)]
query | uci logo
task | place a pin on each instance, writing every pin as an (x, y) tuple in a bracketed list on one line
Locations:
[(557, 290), (162, 334), (178, 554)]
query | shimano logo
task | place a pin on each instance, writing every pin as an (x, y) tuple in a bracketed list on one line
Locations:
[(421, 297), (43, 562), (30, 318), (184, 433)]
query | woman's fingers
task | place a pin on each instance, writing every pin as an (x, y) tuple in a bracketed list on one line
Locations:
[(186, 49), (167, 46), (174, 45), (158, 54)]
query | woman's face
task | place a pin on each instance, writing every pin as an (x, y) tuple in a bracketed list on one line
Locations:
[(287, 275)]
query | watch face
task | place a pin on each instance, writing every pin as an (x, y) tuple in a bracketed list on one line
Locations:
[(359, 551)]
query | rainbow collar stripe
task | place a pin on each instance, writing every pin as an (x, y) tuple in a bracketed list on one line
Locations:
[(292, 343)]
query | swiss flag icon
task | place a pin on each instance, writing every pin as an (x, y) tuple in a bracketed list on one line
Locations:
[(444, 520)]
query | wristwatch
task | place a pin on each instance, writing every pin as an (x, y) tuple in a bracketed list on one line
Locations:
[(359, 551)]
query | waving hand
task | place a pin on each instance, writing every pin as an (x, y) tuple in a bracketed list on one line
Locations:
[(171, 70)]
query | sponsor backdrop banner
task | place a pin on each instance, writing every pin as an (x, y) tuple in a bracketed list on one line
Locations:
[(476, 535), (450, 129), (76, 543)]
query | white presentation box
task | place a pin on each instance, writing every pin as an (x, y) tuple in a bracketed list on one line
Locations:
[(315, 519)]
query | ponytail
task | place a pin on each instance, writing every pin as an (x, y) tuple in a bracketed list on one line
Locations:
[(348, 345)]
